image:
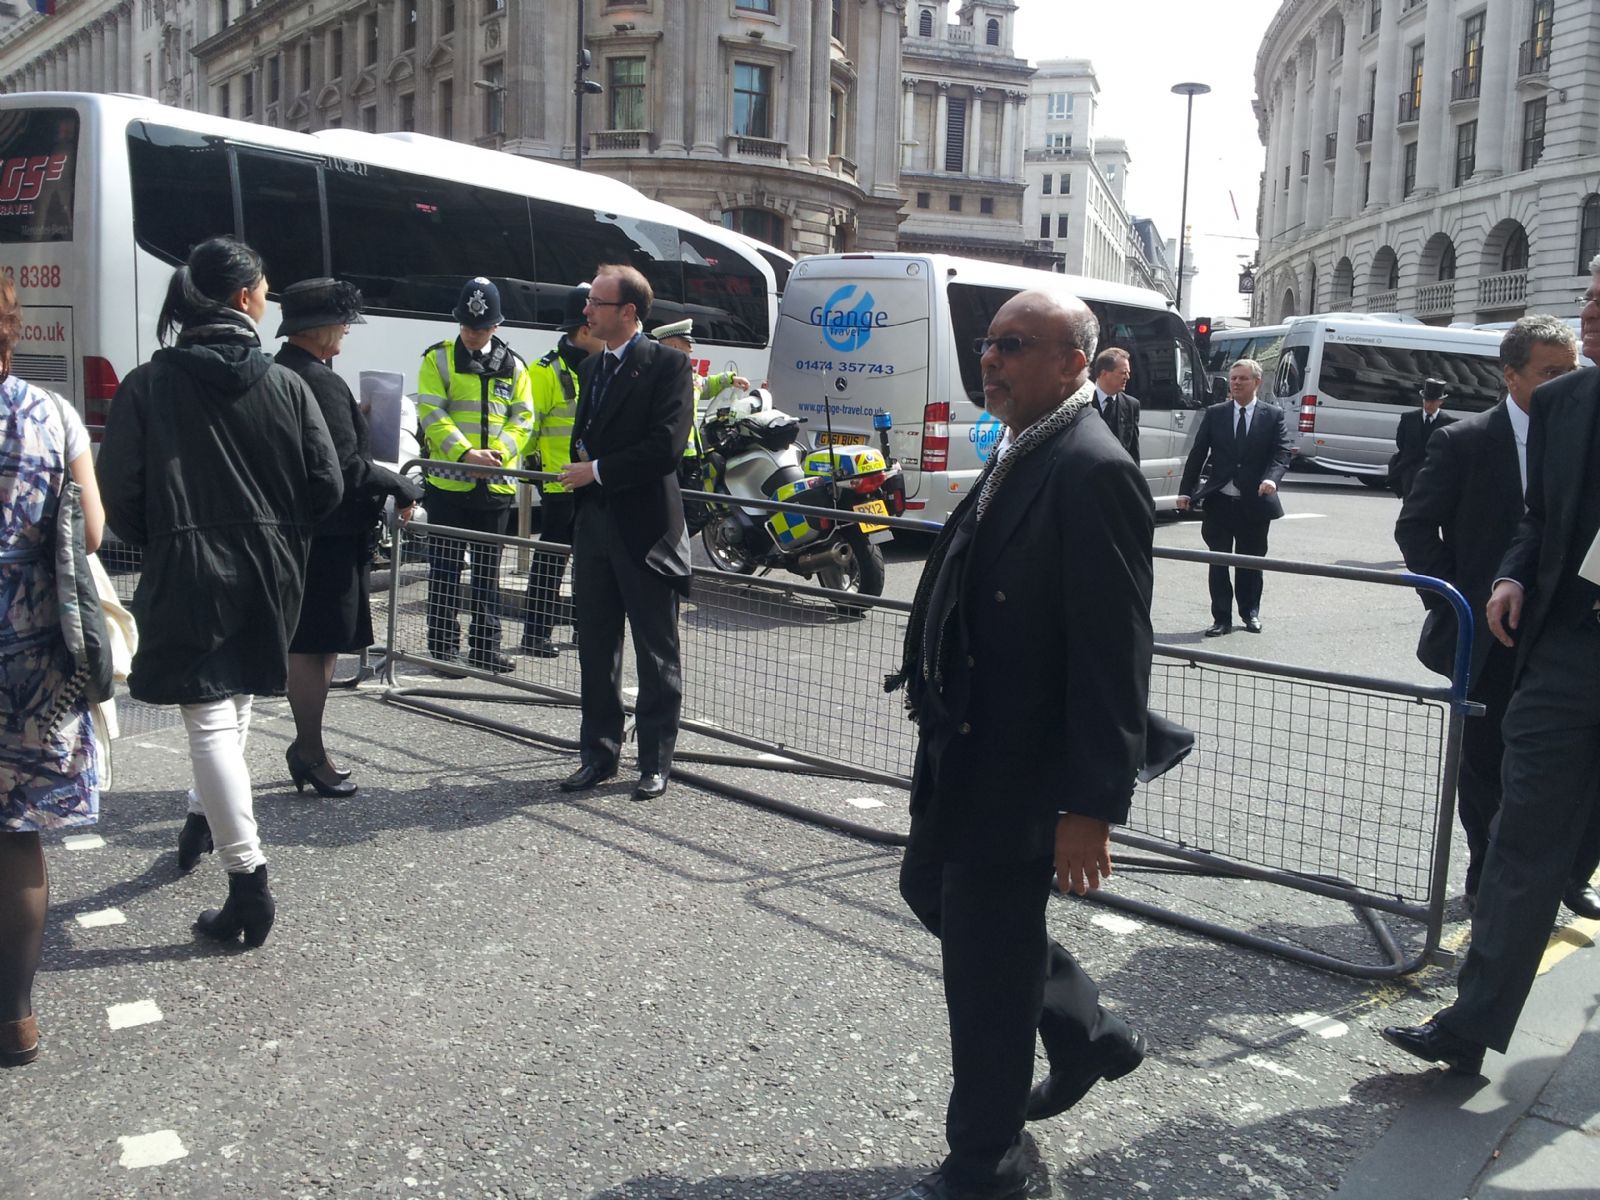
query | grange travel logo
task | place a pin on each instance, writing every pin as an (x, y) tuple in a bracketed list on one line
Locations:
[(848, 328)]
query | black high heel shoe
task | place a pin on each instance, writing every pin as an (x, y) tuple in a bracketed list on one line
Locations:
[(193, 841), (249, 910), (303, 773)]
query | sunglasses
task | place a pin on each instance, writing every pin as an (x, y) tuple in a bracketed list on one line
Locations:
[(1008, 346)]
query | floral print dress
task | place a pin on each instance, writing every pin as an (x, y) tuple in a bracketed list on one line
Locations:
[(49, 777)]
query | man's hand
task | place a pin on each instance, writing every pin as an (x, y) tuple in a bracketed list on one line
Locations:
[(577, 474), (1267, 488), (1504, 610), (740, 382), (1083, 853), (1183, 504), (481, 458), (407, 513)]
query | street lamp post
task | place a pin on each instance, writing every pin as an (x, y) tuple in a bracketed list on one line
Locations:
[(582, 86), (1191, 90)]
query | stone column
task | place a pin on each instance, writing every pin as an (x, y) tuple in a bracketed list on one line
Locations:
[(1298, 187), (941, 124), (1008, 133), (799, 105), (100, 80), (1435, 145), (1499, 51), (908, 121), (821, 79), (1386, 111), (972, 161), (885, 181), (1278, 141), (710, 130), (1321, 97), (125, 47), (1347, 163)]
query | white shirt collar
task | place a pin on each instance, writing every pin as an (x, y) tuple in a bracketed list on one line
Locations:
[(1519, 421)]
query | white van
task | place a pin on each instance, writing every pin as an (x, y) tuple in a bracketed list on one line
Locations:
[(1344, 382), (862, 333)]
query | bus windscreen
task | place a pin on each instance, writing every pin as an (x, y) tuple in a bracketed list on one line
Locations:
[(38, 159)]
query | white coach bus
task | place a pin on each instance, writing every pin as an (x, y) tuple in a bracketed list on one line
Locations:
[(101, 196), (863, 333)]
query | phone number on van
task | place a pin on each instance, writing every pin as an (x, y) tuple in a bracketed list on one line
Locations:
[(844, 368)]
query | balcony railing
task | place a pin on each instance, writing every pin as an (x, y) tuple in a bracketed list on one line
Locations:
[(1408, 5), (840, 165), (756, 147), (1465, 83), (619, 139), (959, 33), (1436, 298), (1305, 163), (1384, 301), (1410, 105), (1364, 129), (1330, 147), (1509, 289), (1533, 58)]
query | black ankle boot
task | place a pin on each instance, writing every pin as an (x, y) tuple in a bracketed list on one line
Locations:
[(193, 841), (249, 909)]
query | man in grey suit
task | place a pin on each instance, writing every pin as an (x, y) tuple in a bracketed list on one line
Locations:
[(1546, 602), (1457, 521)]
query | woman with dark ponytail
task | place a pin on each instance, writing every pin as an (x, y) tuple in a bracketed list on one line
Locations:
[(218, 464)]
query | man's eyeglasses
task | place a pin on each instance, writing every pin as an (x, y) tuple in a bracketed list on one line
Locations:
[(593, 303), (1008, 346)]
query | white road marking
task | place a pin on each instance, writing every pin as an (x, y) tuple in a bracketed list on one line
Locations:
[(140, 1012), (101, 918), (1272, 1068), (1115, 924), (151, 1149), (1302, 516), (163, 749), (864, 802), (1323, 1027), (83, 841), (630, 692)]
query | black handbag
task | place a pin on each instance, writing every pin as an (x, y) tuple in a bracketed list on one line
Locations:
[(83, 621)]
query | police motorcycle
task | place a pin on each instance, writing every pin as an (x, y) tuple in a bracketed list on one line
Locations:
[(751, 450)]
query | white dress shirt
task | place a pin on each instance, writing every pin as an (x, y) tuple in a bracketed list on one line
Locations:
[(1519, 430)]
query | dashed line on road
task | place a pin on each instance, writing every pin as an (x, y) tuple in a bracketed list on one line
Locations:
[(1272, 1068), (1303, 516), (1577, 934), (83, 841), (864, 802), (1112, 923), (1323, 1027), (100, 918), (140, 1012), (152, 1149)]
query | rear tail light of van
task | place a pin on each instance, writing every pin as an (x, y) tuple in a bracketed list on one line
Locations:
[(1308, 414), (936, 437), (99, 386)]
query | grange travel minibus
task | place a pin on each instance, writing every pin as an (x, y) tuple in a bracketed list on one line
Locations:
[(101, 196), (863, 333)]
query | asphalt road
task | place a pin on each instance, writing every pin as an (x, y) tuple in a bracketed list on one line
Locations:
[(479, 986)]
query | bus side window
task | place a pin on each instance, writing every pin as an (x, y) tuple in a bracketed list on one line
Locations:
[(1290, 380), (271, 186), (182, 193)]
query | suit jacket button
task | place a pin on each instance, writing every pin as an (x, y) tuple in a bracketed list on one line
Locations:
[(965, 728), (971, 662), (999, 597)]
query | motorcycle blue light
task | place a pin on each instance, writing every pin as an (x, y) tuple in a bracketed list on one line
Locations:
[(882, 420)]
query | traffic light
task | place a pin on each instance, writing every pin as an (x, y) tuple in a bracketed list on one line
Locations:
[(1202, 335)]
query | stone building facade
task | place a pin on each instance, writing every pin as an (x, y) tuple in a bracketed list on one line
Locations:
[(1434, 157), (139, 46)]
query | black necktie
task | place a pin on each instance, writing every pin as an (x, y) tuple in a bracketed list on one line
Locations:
[(1243, 429), (602, 380)]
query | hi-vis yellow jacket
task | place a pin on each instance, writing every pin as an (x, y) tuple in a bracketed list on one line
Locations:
[(555, 411), (461, 409)]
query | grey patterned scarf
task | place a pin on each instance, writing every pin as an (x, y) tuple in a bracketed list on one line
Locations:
[(1041, 430)]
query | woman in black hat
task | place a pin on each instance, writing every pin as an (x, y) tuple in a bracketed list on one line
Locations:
[(335, 617)]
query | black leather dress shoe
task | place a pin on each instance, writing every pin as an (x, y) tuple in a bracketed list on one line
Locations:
[(1252, 623), (539, 648), (492, 661), (938, 1187), (1582, 899), (1220, 628), (1433, 1042), (651, 786), (587, 776), (1060, 1090)]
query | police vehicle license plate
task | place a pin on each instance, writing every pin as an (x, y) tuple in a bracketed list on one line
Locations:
[(841, 439), (873, 506)]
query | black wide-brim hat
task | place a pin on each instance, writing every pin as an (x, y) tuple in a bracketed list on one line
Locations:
[(313, 303)]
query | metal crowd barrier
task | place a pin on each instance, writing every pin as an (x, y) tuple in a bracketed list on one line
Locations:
[(1316, 781)]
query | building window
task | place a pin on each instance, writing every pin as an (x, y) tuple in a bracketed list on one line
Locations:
[(1391, 281), (1447, 263), (991, 34), (986, 205), (274, 79), (222, 100), (1472, 50), (1058, 105), (1338, 37), (1049, 182), (924, 199), (955, 134), (1515, 256), (1366, 184), (408, 111), (925, 23), (370, 22), (760, 223), (1532, 132), (369, 118), (1588, 233), (408, 25), (1416, 78), (627, 93), (1374, 15), (1061, 225), (1059, 141), (222, 14), (1408, 170), (752, 100), (494, 98), (955, 203), (1543, 17), (490, 7), (335, 53), (760, 6), (1466, 150), (837, 28), (447, 17), (836, 122), (447, 109), (1044, 227), (1066, 183), (247, 107)]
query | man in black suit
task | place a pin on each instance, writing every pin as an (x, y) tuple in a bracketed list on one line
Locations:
[(1243, 446), (1112, 370), (1026, 666), (1456, 523), (629, 548), (1411, 436), (1546, 602)]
